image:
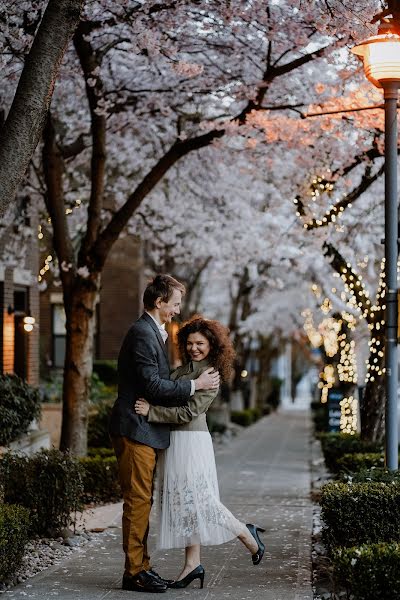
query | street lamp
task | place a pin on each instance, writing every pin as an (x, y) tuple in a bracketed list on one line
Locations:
[(381, 56)]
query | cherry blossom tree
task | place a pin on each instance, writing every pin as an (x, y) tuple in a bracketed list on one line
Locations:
[(22, 128), (144, 89)]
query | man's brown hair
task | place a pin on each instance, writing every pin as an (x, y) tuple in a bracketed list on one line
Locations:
[(162, 287)]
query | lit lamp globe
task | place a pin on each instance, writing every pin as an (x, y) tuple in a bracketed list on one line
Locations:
[(381, 56)]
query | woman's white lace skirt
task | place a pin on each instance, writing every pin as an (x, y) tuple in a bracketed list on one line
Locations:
[(190, 511)]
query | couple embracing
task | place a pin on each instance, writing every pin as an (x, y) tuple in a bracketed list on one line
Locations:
[(160, 418)]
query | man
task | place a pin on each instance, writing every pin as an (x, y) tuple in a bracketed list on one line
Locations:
[(143, 371)]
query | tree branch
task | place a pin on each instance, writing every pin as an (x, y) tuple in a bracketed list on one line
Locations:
[(53, 169), (91, 66), (335, 212)]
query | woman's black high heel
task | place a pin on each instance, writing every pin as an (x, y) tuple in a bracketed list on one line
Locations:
[(261, 547), (197, 573)]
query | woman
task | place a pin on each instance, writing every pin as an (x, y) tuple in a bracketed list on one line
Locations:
[(191, 513)]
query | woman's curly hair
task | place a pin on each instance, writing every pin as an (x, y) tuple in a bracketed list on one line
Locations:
[(221, 354)]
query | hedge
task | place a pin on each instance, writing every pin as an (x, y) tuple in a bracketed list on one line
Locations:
[(373, 474), (336, 445), (98, 425), (319, 416), (245, 417), (103, 452), (107, 371), (14, 525), (352, 463), (359, 513), (19, 405), (369, 572), (100, 479), (48, 483)]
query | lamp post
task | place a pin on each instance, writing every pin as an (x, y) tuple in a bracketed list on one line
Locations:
[(381, 57)]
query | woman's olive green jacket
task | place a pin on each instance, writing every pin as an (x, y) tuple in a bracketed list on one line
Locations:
[(193, 416)]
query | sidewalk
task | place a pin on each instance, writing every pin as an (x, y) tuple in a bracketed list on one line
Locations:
[(265, 479)]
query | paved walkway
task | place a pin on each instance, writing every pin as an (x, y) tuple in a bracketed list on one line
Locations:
[(265, 479)]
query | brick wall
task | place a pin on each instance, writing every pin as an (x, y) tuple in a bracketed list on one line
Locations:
[(120, 296), (8, 323)]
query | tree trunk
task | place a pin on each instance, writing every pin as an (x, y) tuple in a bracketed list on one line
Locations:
[(24, 124), (81, 318), (372, 407)]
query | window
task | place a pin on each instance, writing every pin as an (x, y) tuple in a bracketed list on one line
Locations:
[(58, 334)]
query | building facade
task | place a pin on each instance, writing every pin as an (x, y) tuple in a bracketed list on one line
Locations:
[(19, 294)]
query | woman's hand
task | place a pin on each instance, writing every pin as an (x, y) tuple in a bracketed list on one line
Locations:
[(142, 407)]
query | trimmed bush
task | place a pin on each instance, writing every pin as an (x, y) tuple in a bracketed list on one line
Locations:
[(103, 452), (351, 463), (336, 445), (242, 417), (107, 371), (319, 414), (246, 417), (98, 436), (373, 474), (19, 406), (14, 525), (369, 572), (48, 483), (360, 513), (100, 479)]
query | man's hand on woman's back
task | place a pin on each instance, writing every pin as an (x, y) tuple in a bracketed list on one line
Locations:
[(209, 380)]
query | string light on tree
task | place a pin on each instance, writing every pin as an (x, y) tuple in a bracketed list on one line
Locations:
[(46, 267), (349, 415)]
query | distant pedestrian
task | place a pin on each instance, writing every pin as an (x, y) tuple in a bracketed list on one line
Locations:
[(143, 370), (191, 513)]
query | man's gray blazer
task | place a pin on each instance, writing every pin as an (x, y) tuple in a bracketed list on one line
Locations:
[(143, 371)]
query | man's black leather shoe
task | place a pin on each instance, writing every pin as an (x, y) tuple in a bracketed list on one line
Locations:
[(159, 578), (143, 582)]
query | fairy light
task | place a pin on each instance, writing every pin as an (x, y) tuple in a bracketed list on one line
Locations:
[(327, 382), (349, 415), (45, 268), (326, 306), (312, 333)]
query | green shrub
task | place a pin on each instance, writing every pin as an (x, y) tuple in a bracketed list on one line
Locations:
[(98, 436), (369, 572), (215, 427), (373, 474), (320, 418), (19, 405), (48, 483), (360, 461), (103, 452), (360, 513), (247, 416), (242, 417), (257, 413), (100, 392), (100, 479), (336, 445), (107, 371), (14, 524)]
